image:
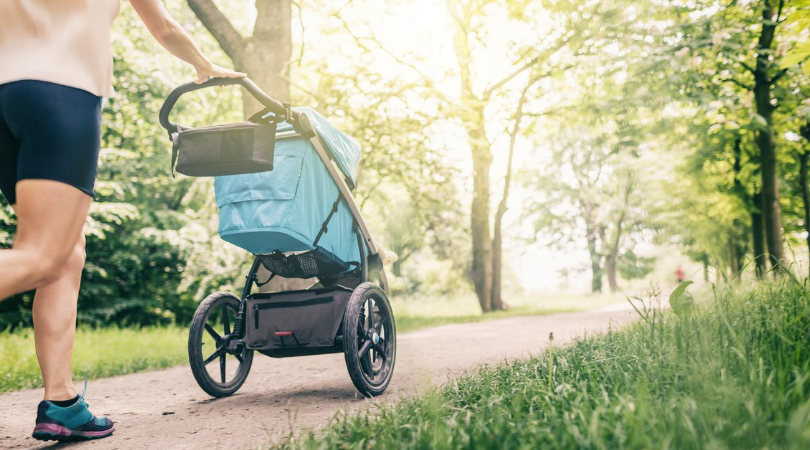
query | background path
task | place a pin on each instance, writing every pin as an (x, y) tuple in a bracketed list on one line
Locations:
[(166, 409)]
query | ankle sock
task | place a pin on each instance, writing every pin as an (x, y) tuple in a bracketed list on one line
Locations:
[(65, 403)]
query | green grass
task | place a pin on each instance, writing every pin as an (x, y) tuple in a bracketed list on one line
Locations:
[(117, 351), (97, 353), (730, 373)]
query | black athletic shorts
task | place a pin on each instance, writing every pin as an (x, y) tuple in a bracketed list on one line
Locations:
[(48, 132)]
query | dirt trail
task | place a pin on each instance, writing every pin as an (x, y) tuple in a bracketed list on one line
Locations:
[(166, 409)]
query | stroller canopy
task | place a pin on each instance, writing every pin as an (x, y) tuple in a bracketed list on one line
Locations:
[(283, 210), (344, 149)]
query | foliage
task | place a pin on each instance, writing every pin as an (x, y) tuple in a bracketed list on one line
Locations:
[(732, 375)]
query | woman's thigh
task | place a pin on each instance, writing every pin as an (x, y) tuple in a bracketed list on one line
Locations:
[(50, 218)]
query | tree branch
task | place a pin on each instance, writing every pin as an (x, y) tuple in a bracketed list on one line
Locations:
[(746, 66), (490, 90), (738, 83), (545, 55), (377, 45), (220, 27), (784, 71)]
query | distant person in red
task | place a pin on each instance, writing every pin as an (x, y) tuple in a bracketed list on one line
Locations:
[(679, 274)]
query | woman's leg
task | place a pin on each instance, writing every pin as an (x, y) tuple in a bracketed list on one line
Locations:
[(55, 325), (50, 219), (50, 215)]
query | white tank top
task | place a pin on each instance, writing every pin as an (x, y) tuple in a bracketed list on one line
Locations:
[(60, 41)]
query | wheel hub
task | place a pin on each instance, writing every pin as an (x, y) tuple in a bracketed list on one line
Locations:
[(375, 338)]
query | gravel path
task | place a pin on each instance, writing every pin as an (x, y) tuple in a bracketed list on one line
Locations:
[(166, 409)]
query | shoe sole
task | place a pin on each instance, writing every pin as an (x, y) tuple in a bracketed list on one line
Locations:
[(54, 432)]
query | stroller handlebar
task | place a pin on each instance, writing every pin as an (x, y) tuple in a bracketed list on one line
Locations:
[(274, 106)]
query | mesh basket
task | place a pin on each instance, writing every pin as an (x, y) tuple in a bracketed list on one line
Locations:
[(314, 263)]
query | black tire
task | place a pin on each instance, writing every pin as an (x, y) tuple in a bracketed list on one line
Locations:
[(370, 363), (217, 313)]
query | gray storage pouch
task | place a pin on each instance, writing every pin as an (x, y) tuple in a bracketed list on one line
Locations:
[(218, 150), (296, 319)]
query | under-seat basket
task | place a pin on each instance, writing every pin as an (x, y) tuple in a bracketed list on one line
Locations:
[(314, 263), (295, 319)]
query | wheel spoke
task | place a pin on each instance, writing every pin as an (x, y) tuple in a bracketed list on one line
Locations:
[(238, 357), (225, 320), (222, 366), (365, 363), (364, 349), (213, 333), (379, 352), (217, 354)]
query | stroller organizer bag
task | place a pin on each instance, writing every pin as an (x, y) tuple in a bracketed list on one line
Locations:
[(296, 319), (223, 149), (229, 149), (283, 185)]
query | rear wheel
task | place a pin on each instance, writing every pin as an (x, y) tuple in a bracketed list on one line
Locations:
[(369, 339), (219, 369)]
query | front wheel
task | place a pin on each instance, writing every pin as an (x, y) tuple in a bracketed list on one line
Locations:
[(369, 339), (219, 369)]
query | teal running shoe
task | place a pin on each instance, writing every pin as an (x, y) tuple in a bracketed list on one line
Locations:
[(70, 423)]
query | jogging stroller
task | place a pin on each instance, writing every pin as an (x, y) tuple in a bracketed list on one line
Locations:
[(299, 220)]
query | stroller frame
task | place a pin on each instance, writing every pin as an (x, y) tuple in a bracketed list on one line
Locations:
[(366, 334)]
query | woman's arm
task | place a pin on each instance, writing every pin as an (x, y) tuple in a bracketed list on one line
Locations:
[(175, 39)]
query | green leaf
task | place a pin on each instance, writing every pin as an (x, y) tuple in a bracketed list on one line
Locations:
[(679, 300), (796, 57)]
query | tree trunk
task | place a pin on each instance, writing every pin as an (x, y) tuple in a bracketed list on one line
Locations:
[(705, 260), (803, 157), (758, 236), (610, 270), (497, 240), (475, 123), (268, 53), (497, 266), (763, 84), (265, 56), (481, 239), (753, 205), (596, 258), (615, 245)]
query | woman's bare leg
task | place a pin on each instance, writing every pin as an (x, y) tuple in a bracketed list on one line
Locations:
[(50, 219), (55, 326), (48, 254)]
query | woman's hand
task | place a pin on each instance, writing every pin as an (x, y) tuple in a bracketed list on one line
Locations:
[(212, 70), (172, 36)]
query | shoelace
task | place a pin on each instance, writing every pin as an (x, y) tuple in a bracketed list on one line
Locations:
[(84, 392)]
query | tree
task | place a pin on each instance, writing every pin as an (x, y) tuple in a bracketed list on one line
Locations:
[(722, 44), (265, 55), (476, 110)]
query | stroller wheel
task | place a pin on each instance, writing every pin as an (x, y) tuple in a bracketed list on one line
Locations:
[(369, 339), (219, 371)]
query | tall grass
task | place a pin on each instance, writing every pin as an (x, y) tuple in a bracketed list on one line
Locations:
[(727, 374)]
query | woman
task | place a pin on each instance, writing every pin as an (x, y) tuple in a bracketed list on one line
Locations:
[(55, 65)]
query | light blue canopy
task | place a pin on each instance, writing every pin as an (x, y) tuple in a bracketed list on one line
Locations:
[(344, 149), (284, 209)]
